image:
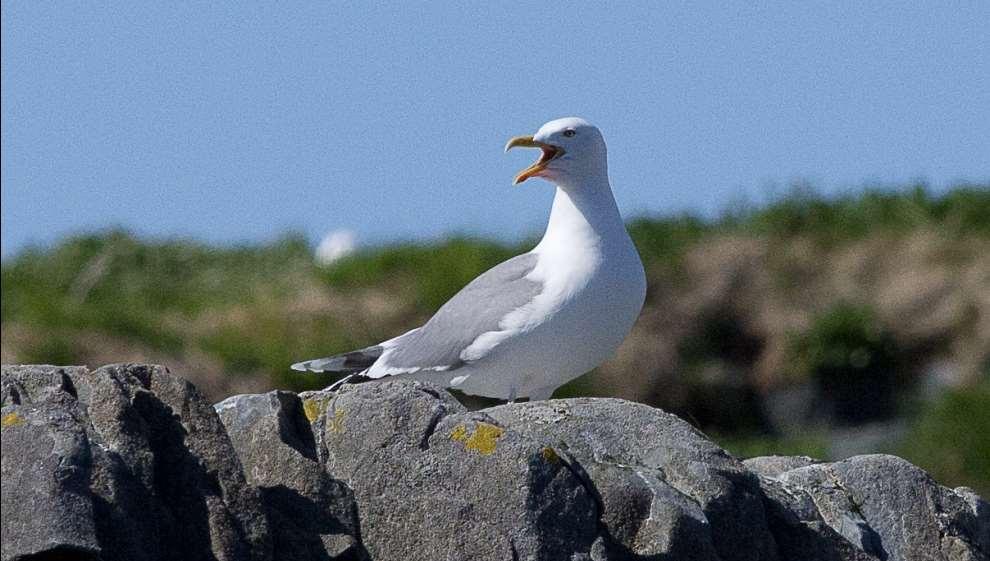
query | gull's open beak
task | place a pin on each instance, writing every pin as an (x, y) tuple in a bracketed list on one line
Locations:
[(549, 152)]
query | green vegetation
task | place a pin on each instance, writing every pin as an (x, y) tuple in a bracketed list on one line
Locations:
[(853, 361), (951, 438), (813, 445), (166, 297), (961, 211), (234, 318), (437, 271), (665, 240)]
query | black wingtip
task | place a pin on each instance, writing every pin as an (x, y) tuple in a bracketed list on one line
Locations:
[(347, 363)]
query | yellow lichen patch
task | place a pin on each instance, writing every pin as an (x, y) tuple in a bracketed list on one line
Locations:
[(459, 433), (335, 424), (483, 440), (314, 407), (11, 420), (550, 455)]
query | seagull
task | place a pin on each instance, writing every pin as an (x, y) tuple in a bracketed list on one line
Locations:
[(538, 320)]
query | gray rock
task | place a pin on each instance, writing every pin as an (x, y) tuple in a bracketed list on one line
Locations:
[(314, 406), (162, 482), (772, 466), (36, 384), (980, 509), (718, 511), (799, 529), (129, 462), (312, 515), (47, 506), (892, 509), (644, 516), (795, 522), (433, 481)]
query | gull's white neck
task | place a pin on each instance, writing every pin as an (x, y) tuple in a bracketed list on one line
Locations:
[(584, 217), (587, 251)]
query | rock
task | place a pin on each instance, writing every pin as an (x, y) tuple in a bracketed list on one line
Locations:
[(793, 517), (314, 406), (434, 481), (644, 516), (47, 506), (799, 529), (37, 384), (129, 462), (981, 512), (772, 466), (160, 478), (312, 515), (703, 503), (893, 510)]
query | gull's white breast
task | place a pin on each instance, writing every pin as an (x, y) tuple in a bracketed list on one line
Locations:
[(593, 291)]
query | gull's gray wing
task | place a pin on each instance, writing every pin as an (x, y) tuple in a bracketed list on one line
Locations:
[(478, 308)]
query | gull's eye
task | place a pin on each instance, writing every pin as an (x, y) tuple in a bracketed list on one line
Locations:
[(569, 133)]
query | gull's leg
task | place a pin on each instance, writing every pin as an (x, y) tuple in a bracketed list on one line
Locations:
[(512, 395)]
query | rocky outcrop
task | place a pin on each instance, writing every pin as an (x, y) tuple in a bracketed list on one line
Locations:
[(129, 462), (124, 462), (433, 480), (311, 514), (884, 507)]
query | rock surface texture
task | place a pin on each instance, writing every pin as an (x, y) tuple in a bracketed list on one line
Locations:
[(129, 462)]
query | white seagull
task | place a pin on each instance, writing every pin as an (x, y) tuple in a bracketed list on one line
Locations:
[(532, 323)]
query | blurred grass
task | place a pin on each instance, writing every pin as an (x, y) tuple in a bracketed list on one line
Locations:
[(951, 438), (115, 282), (961, 211), (436, 272), (749, 446), (240, 315)]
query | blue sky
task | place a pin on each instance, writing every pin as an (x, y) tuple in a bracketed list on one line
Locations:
[(233, 123)]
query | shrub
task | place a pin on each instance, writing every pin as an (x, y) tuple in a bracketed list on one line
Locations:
[(852, 360)]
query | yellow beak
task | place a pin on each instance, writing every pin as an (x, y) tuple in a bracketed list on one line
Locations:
[(549, 152)]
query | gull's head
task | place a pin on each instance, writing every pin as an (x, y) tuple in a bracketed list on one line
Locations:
[(572, 150)]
